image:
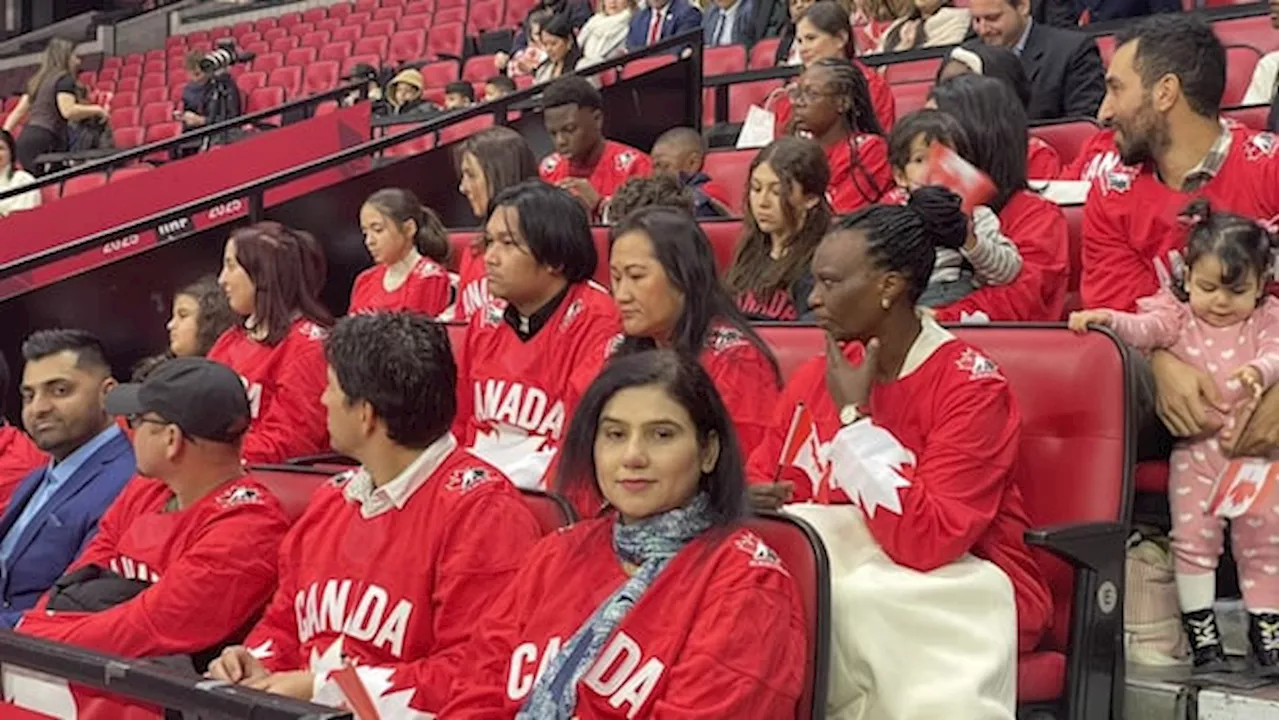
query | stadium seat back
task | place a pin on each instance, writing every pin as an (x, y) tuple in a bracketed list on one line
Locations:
[(130, 71), (316, 39), (1253, 117), (284, 44), (407, 45), (153, 80), (153, 94), (83, 183), (302, 56), (484, 16), (415, 22), (292, 485), (129, 171), (460, 130), (804, 556), (338, 51), (154, 66), (372, 46), (264, 98), (731, 170), (301, 30), (645, 64), (250, 81), (379, 28), (1068, 138), (127, 137), (320, 77), (289, 78), (441, 73), (1253, 31), (552, 511), (273, 34), (128, 84), (289, 19), (158, 112), (724, 60), (391, 14), (1074, 215), (419, 7), (909, 97), (1240, 63), (723, 236), (478, 69), (445, 40), (912, 71), (314, 15), (125, 117), (762, 54), (265, 24), (162, 131), (347, 33), (743, 95), (268, 62)]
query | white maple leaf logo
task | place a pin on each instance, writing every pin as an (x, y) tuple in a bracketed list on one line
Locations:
[(520, 456), (875, 470), (376, 680)]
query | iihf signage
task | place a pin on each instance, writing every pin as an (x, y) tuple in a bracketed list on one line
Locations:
[(174, 229)]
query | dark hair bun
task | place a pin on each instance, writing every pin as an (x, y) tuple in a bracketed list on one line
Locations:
[(945, 224)]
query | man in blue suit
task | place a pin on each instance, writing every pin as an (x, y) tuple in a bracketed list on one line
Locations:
[(55, 510), (661, 19), (728, 22)]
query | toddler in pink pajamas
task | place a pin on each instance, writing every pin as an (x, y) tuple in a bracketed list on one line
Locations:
[(1224, 324)]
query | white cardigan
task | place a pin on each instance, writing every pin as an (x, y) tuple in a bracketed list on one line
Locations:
[(25, 201)]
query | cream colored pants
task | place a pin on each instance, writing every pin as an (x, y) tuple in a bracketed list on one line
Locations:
[(908, 645)]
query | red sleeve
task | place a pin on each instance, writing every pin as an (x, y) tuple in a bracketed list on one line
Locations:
[(748, 643), (594, 348), (489, 538), (1039, 292), (295, 423), (762, 464), (1113, 274), (881, 96), (781, 114), (749, 387), (856, 186), (429, 295), (274, 640), (462, 418), (234, 555), (359, 292), (928, 511), (1043, 162)]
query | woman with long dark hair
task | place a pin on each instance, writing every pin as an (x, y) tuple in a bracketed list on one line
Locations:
[(787, 214), (50, 102), (488, 162), (667, 291), (560, 41), (831, 105), (666, 577), (410, 250), (996, 125), (269, 273)]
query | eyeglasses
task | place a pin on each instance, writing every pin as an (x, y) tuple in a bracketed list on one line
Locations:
[(805, 95), (136, 420)]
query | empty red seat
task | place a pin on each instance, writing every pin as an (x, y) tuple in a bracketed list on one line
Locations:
[(479, 68), (347, 33), (110, 74), (466, 128), (445, 41), (645, 64), (1240, 63), (289, 78), (729, 169), (449, 4), (301, 29), (153, 94), (912, 71), (724, 60), (267, 62), (908, 97), (128, 84), (265, 24), (133, 71), (516, 12), (762, 54), (314, 15), (251, 81), (1254, 31), (82, 183), (127, 98), (273, 34), (127, 137), (161, 132), (284, 44), (451, 15), (407, 45), (484, 16), (289, 19), (264, 98), (328, 107), (329, 24), (320, 77), (339, 12), (316, 39), (364, 5), (379, 27), (335, 51), (419, 7), (154, 80), (743, 95), (241, 28), (129, 171), (154, 66), (391, 14), (257, 48), (372, 46), (173, 41), (125, 117), (157, 113), (300, 56), (196, 36), (1066, 137), (440, 73), (112, 61), (415, 22), (358, 19)]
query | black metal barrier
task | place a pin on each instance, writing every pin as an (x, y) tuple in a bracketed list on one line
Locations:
[(155, 684)]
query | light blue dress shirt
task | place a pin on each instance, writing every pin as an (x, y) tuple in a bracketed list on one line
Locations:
[(55, 476), (1022, 41)]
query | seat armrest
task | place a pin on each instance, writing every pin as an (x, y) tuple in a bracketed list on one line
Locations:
[(1085, 545)]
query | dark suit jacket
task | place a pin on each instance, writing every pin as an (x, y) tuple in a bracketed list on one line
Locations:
[(63, 527), (741, 33), (1065, 71), (681, 18)]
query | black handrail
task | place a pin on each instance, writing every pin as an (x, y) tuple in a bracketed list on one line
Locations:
[(186, 138), (254, 189), (154, 683)]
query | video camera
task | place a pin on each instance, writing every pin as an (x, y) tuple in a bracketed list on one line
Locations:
[(223, 57)]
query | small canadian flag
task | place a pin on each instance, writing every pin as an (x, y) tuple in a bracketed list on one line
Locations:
[(804, 451), (1243, 484), (358, 700)]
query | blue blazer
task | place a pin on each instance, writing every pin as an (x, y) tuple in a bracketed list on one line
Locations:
[(741, 33), (62, 528), (681, 18)]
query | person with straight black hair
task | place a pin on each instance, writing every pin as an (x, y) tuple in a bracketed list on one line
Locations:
[(560, 40), (531, 351), (667, 573), (498, 86), (18, 454), (459, 94), (584, 162), (416, 501), (55, 509), (915, 470), (668, 293), (410, 251), (272, 275), (993, 119)]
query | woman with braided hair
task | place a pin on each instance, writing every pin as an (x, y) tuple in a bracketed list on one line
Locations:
[(914, 480), (832, 105)]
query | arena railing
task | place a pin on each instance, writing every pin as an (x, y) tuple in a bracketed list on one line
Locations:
[(304, 105), (688, 47), (155, 684)]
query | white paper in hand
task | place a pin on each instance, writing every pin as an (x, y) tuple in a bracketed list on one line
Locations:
[(757, 131)]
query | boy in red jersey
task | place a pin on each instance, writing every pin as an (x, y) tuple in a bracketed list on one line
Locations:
[(141, 588), (530, 354), (388, 565), (584, 162)]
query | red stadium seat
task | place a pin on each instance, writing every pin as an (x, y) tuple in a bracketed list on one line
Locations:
[(1074, 215), (483, 17), (645, 64), (1240, 63), (516, 12), (301, 30), (157, 113), (219, 32), (415, 22), (1251, 116), (127, 98), (162, 131), (730, 169), (83, 183), (267, 62), (1066, 137), (125, 117), (445, 41), (388, 13), (292, 485), (419, 7), (339, 11), (131, 71), (314, 15), (328, 107), (460, 130), (724, 60), (762, 54), (241, 28), (153, 80), (723, 236), (129, 171), (439, 74), (316, 39), (289, 78), (265, 24), (912, 71), (407, 45), (171, 42), (743, 95), (128, 84), (154, 94), (451, 15), (320, 77), (154, 66), (274, 34), (408, 148), (347, 33), (1106, 47), (112, 61), (289, 19), (51, 193), (193, 36), (1254, 31), (367, 6), (358, 19), (257, 48), (378, 28), (372, 46), (264, 98), (284, 44), (552, 511), (155, 54), (251, 81), (302, 56), (478, 68), (335, 51), (109, 74), (329, 25), (909, 97)]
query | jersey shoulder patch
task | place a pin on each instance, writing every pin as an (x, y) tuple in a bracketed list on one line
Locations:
[(467, 478), (312, 332), (1118, 180), (624, 159), (1261, 145), (977, 366), (429, 268), (237, 495), (758, 552), (724, 337), (550, 163)]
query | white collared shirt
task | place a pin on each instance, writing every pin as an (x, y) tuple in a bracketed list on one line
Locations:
[(374, 501)]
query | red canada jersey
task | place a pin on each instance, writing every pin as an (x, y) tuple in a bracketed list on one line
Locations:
[(1039, 293), (854, 185), (18, 457), (617, 164), (398, 593), (515, 397), (881, 100), (1043, 162), (426, 290), (1098, 157), (473, 286), (719, 634), (955, 421), (1132, 239), (284, 383)]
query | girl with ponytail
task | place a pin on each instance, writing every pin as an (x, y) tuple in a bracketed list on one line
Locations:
[(410, 249), (917, 471)]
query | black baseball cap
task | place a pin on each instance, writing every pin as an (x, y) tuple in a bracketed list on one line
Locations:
[(204, 398)]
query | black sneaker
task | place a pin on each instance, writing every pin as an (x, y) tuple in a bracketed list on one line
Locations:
[(1205, 640), (1264, 640)]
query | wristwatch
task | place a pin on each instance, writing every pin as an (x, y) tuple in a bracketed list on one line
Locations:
[(850, 414)]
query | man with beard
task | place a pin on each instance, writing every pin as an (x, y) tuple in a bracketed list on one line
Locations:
[(55, 510), (1164, 88)]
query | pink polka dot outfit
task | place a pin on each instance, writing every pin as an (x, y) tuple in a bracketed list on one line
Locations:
[(1165, 322)]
